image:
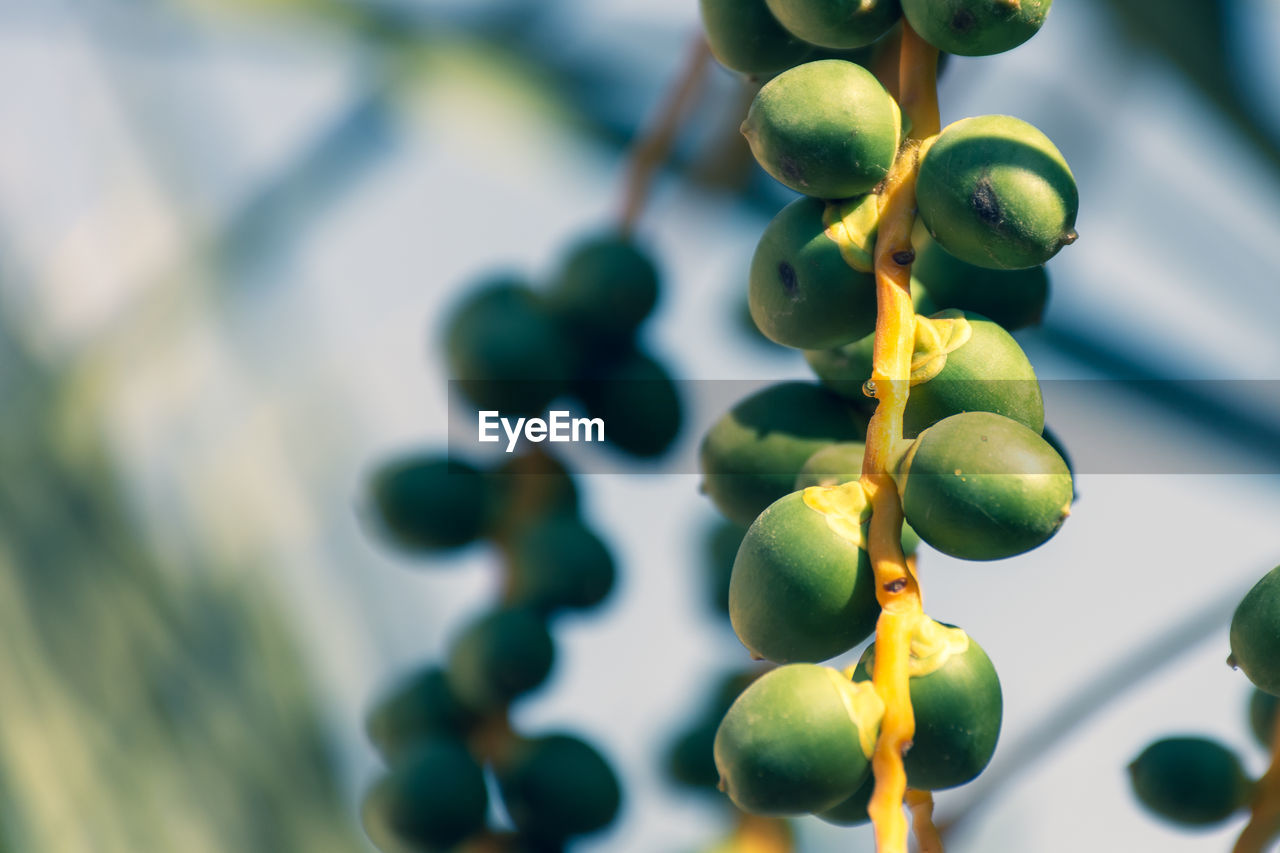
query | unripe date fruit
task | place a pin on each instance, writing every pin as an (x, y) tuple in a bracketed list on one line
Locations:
[(426, 503), (842, 463), (958, 707), (637, 399), (505, 352), (839, 24), (803, 293), (558, 786), (1013, 298), (1255, 633), (433, 799), (980, 486), (417, 708), (607, 287), (559, 563), (745, 37), (996, 193), (797, 740), (826, 129), (498, 657), (853, 811), (800, 590), (976, 27), (750, 457), (1190, 780), (989, 372)]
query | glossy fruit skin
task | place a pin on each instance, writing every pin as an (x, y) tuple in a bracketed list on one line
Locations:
[(958, 710), (504, 351), (995, 192), (979, 486), (419, 707), (802, 292), (558, 786), (750, 457), (1191, 781), (431, 503), (976, 27), (800, 591), (1255, 633), (1262, 716), (433, 799), (638, 401), (605, 290), (788, 744), (559, 563), (500, 656), (853, 811), (826, 129), (1013, 298), (838, 24), (989, 373), (745, 37)]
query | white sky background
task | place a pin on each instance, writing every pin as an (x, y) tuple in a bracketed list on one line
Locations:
[(127, 147)]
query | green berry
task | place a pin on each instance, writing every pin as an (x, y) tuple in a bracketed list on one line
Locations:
[(500, 656), (1262, 716), (853, 811), (419, 707), (558, 786), (608, 286), (801, 590), (505, 352), (988, 372), (996, 193), (1191, 781), (797, 740), (638, 402), (976, 27), (839, 24), (958, 706), (750, 457), (1255, 633), (826, 129), (433, 799), (803, 292), (428, 503), (979, 486), (745, 37), (1056, 443), (559, 563), (841, 463), (1013, 298)]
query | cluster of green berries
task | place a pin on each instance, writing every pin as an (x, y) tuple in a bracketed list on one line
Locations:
[(1195, 781), (977, 478), (514, 349)]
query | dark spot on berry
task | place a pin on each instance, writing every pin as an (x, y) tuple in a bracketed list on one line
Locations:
[(904, 258), (963, 21), (984, 202), (787, 275), (790, 170)]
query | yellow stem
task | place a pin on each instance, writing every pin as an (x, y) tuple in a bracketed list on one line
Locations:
[(756, 834), (921, 805), (1264, 814), (896, 586), (652, 148)]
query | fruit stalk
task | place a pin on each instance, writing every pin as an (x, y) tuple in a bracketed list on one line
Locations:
[(927, 837), (896, 587), (1264, 814), (652, 148)]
